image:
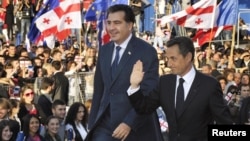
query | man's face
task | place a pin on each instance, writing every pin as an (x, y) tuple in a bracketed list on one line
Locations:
[(178, 63), (117, 27), (57, 57), (12, 50), (245, 91), (59, 111)]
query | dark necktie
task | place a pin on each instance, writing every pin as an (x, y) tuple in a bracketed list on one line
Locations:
[(180, 97), (115, 62)]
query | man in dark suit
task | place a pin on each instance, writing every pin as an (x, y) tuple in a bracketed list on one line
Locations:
[(202, 100), (44, 99), (112, 117), (61, 88)]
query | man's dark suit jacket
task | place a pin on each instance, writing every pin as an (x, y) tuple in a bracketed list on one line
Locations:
[(61, 87), (244, 111), (45, 104), (113, 93), (203, 105)]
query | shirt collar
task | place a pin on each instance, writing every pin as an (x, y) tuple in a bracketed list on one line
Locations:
[(125, 43), (189, 77)]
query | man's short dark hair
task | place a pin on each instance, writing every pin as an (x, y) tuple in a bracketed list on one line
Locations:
[(46, 82), (129, 14), (58, 102)]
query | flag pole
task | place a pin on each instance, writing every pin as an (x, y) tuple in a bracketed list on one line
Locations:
[(230, 65), (80, 41), (212, 24)]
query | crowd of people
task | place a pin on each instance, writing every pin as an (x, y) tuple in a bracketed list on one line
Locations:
[(44, 99)]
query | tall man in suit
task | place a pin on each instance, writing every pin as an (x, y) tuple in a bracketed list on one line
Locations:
[(202, 95), (61, 87), (112, 117)]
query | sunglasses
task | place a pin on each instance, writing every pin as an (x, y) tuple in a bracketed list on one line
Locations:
[(29, 94)]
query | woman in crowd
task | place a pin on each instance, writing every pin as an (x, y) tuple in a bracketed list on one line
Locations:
[(5, 107), (76, 120), (52, 126), (6, 131), (31, 126), (27, 105), (47, 67), (90, 64), (15, 103)]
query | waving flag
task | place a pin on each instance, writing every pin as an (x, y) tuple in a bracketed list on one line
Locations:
[(226, 17), (195, 16), (227, 12), (34, 34), (59, 20)]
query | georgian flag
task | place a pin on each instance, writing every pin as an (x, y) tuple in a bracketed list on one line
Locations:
[(199, 15), (47, 22), (59, 20)]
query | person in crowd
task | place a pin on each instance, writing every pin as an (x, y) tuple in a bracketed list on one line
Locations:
[(15, 104), (136, 5), (112, 116), (243, 61), (74, 94), (76, 120), (27, 105), (237, 78), (158, 38), (28, 12), (9, 19), (223, 82), (48, 71), (245, 79), (52, 126), (31, 126), (229, 74), (90, 64), (45, 99), (90, 52), (232, 99), (88, 104), (206, 69), (59, 111), (61, 88), (9, 52), (189, 103), (5, 131), (5, 108), (162, 66), (244, 114), (244, 90), (56, 55)]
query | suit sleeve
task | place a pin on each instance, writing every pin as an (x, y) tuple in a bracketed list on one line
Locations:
[(98, 83), (150, 80), (218, 107)]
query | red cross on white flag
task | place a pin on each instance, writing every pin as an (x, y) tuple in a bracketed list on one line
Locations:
[(199, 15), (59, 20)]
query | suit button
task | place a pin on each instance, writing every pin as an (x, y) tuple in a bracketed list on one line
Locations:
[(112, 94), (178, 134)]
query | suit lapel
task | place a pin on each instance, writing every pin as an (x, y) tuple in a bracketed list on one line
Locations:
[(108, 59), (172, 94), (192, 92), (125, 57)]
